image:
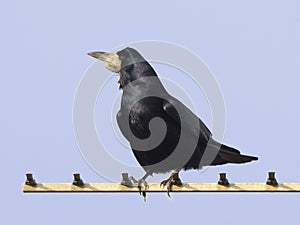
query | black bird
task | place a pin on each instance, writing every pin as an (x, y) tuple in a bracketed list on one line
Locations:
[(163, 133)]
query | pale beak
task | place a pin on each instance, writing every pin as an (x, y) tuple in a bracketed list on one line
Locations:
[(111, 60)]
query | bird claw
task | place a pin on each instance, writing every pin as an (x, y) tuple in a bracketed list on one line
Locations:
[(172, 180), (142, 182), (168, 182)]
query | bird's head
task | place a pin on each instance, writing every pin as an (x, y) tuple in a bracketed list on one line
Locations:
[(128, 63)]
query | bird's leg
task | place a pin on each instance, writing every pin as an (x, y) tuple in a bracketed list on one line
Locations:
[(172, 180), (143, 182)]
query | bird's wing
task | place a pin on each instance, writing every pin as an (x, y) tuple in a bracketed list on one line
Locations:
[(186, 119)]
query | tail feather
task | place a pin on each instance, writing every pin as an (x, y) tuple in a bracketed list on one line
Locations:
[(232, 155), (228, 154)]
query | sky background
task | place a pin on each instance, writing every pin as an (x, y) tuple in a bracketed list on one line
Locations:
[(252, 47)]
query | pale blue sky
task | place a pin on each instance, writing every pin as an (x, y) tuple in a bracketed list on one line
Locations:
[(252, 47)]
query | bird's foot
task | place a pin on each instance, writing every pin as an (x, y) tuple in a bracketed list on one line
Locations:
[(142, 182), (172, 180)]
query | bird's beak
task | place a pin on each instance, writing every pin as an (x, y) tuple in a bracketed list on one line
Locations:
[(111, 60)]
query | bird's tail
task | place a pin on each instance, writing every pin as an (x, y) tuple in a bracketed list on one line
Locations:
[(231, 155)]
